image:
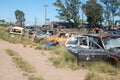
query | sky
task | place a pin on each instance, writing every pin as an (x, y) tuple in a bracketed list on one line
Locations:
[(32, 9)]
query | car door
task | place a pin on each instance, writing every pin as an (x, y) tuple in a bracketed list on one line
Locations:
[(94, 53), (62, 38)]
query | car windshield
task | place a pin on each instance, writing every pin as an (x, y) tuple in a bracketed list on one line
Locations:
[(73, 41), (76, 40), (112, 42)]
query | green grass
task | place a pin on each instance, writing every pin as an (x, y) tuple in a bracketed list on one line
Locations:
[(39, 47), (35, 78), (20, 62), (103, 67), (5, 35), (23, 65), (93, 76), (62, 58), (96, 76), (11, 52)]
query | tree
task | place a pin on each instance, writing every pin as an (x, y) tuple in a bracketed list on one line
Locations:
[(2, 21), (20, 16), (93, 12), (112, 9), (68, 11)]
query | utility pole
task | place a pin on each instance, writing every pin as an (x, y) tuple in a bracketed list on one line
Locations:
[(35, 22), (45, 14)]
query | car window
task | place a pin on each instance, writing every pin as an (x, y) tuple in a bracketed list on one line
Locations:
[(63, 35), (95, 42), (112, 42), (16, 30), (73, 41), (83, 42)]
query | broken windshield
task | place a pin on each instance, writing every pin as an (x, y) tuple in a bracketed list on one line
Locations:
[(111, 42)]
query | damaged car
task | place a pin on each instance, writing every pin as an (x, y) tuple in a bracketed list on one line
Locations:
[(16, 31), (94, 47), (61, 37)]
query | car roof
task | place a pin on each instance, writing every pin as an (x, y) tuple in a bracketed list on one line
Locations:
[(16, 27), (98, 35)]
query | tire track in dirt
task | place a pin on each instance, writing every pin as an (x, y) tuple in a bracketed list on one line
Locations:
[(43, 65), (8, 70)]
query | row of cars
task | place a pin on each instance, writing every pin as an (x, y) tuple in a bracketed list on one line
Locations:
[(87, 48), (33, 33)]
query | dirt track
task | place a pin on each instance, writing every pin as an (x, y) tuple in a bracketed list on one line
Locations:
[(44, 67)]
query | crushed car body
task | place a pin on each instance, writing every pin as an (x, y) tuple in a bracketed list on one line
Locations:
[(93, 47)]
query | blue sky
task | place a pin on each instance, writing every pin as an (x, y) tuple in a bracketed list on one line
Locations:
[(32, 9)]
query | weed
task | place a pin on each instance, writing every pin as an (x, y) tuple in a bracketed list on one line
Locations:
[(96, 76), (103, 67), (11, 52), (40, 47), (15, 38), (35, 78), (20, 62), (93, 76), (64, 58)]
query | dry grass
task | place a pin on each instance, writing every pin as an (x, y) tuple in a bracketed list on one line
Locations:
[(62, 58), (20, 62), (35, 78), (96, 76), (103, 67)]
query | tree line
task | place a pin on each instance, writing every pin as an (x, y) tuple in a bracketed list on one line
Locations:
[(96, 12)]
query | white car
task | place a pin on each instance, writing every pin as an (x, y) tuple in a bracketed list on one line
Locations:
[(16, 31)]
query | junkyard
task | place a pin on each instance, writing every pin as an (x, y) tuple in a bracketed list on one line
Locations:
[(61, 55), (60, 40)]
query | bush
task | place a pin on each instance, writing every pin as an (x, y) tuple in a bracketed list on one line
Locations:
[(64, 58), (103, 67)]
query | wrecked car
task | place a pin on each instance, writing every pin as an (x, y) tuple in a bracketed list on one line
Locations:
[(38, 35), (112, 32), (60, 37), (92, 47), (16, 31)]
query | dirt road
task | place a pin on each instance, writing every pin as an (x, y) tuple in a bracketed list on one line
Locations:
[(44, 67)]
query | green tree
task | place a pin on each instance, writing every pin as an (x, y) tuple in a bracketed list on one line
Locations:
[(93, 12), (20, 16), (2, 21), (112, 9), (68, 10)]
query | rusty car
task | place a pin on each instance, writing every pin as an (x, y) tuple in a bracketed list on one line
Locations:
[(60, 37), (94, 47)]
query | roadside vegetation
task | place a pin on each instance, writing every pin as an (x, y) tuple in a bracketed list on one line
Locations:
[(60, 58), (20, 62), (5, 35), (98, 76)]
